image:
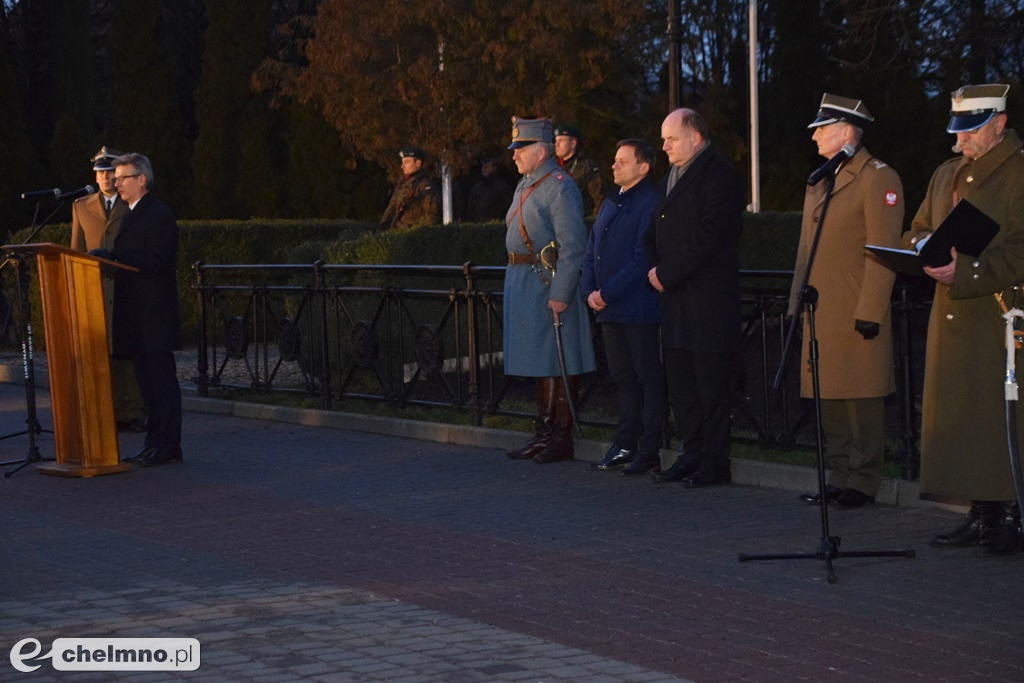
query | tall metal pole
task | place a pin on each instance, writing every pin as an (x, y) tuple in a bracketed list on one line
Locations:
[(675, 39), (446, 170), (755, 152)]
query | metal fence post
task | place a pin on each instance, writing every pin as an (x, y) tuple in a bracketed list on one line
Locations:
[(202, 369), (472, 348), (320, 290)]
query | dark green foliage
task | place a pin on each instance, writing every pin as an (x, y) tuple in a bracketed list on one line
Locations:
[(154, 47), (481, 244), (233, 159), (769, 240), (20, 167)]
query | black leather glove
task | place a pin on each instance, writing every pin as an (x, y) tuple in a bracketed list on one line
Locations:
[(868, 330), (102, 253)]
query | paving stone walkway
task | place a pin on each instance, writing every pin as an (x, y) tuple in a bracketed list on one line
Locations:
[(299, 552)]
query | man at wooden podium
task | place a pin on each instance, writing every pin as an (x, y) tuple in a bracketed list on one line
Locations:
[(95, 222), (146, 322)]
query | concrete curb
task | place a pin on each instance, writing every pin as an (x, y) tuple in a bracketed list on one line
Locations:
[(745, 472)]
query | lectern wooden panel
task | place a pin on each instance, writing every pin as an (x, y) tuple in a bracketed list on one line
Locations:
[(85, 434)]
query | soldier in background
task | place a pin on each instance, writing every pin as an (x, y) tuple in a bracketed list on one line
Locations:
[(95, 222), (414, 201), (582, 170)]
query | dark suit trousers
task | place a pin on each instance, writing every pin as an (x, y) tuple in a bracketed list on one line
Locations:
[(158, 380), (634, 362), (700, 386)]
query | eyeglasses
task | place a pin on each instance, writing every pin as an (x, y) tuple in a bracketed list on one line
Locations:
[(119, 178)]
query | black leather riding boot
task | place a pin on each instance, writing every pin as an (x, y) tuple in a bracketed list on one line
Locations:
[(560, 447), (547, 397)]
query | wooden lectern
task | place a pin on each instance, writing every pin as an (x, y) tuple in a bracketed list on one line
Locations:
[(85, 434)]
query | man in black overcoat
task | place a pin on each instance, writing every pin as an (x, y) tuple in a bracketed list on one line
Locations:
[(146, 323), (692, 242)]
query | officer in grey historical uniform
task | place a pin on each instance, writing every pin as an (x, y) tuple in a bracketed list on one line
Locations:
[(584, 172), (414, 201), (95, 223), (545, 217), (963, 411)]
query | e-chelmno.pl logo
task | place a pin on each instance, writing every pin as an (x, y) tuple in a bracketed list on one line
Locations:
[(108, 654)]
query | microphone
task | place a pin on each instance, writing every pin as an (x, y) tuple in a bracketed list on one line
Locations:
[(41, 193), (830, 166), (75, 194)]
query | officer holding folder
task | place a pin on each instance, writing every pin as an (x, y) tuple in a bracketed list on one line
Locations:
[(963, 429)]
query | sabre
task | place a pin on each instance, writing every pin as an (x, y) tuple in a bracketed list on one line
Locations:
[(565, 375), (1011, 413)]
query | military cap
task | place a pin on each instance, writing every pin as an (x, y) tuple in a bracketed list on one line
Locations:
[(412, 151), (834, 108), (528, 131), (571, 131), (103, 160), (975, 105)]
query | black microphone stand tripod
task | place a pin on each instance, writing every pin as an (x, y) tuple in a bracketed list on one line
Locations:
[(24, 281), (828, 547)]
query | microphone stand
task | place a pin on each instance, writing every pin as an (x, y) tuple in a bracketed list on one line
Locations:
[(24, 282), (828, 547)]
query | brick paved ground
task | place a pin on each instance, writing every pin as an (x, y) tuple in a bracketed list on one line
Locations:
[(298, 552)]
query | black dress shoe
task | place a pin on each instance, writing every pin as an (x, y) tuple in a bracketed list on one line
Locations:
[(141, 455), (680, 469), (641, 464), (701, 479), (162, 455), (852, 498), (1004, 538), (978, 524), (831, 493), (614, 458)]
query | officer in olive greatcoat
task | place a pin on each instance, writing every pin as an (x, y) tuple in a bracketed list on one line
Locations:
[(963, 428), (852, 316), (545, 216), (414, 201)]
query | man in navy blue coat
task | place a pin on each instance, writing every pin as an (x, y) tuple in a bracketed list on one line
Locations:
[(692, 244), (146, 323), (615, 283)]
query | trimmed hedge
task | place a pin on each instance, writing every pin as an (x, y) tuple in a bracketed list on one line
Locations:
[(768, 242)]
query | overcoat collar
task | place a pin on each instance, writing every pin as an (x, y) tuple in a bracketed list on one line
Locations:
[(703, 158), (847, 173), (985, 165), (133, 214), (546, 166)]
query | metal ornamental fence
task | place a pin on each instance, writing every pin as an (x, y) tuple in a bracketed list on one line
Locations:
[(431, 336)]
